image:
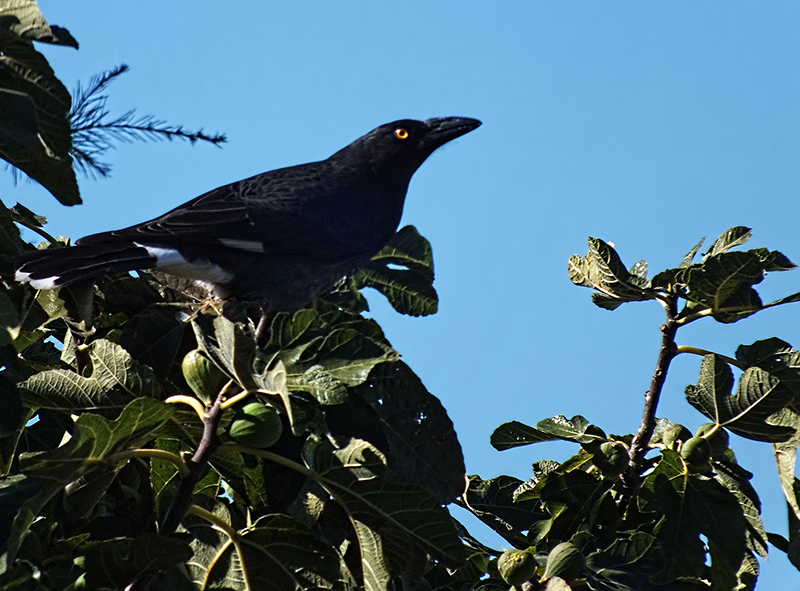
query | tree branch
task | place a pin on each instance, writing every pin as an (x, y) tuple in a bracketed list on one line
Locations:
[(640, 444)]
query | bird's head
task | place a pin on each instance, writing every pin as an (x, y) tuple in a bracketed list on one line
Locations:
[(399, 148)]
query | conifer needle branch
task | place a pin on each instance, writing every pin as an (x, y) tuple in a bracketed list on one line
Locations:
[(94, 132)]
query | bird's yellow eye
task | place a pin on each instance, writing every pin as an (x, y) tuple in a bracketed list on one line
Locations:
[(401, 133)]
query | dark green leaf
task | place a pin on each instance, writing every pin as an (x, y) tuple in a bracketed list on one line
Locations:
[(492, 501), (773, 260), (576, 429), (690, 505), (9, 320), (687, 260), (776, 357), (515, 434), (759, 396), (737, 480), (422, 448), (407, 515), (273, 555), (94, 440), (565, 560), (409, 290), (718, 282), (627, 562), (11, 413), (10, 242), (48, 161), (119, 561)]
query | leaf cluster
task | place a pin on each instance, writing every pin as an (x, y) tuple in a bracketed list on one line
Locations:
[(684, 528), (97, 425), (720, 284), (674, 511)]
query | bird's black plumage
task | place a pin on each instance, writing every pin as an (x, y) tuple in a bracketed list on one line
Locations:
[(280, 237)]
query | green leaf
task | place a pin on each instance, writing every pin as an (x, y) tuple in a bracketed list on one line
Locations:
[(325, 388), (93, 441), (576, 429), (493, 502), (565, 561), (759, 396), (404, 515), (153, 337), (687, 260), (409, 290), (423, 448), (737, 480), (9, 320), (347, 346), (272, 555), (690, 505), (786, 457), (48, 160), (773, 260), (22, 19), (776, 357), (730, 238), (164, 477), (11, 412), (515, 434), (232, 346), (10, 242), (627, 563), (120, 561), (602, 270), (115, 380), (718, 282), (578, 502)]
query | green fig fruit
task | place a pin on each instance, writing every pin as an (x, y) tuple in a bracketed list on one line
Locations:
[(611, 458), (516, 566), (696, 452), (719, 439), (256, 425)]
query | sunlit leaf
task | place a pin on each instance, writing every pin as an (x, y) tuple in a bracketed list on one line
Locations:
[(759, 396), (409, 289), (115, 380)]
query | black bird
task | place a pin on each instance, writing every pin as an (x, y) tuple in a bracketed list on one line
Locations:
[(281, 237)]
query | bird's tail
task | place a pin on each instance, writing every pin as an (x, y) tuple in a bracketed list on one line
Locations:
[(58, 267)]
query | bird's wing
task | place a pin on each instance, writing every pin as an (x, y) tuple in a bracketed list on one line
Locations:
[(249, 215)]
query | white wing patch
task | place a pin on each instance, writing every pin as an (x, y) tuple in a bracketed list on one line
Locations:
[(248, 245), (171, 261), (46, 283)]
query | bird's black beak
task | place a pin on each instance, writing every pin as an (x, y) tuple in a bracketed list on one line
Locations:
[(444, 129)]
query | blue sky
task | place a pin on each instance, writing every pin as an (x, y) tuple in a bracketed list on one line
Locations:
[(649, 125)]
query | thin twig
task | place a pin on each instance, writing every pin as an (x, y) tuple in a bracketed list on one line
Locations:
[(640, 444), (704, 352), (182, 500)]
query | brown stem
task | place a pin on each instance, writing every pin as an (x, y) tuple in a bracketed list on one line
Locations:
[(639, 446), (197, 465)]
